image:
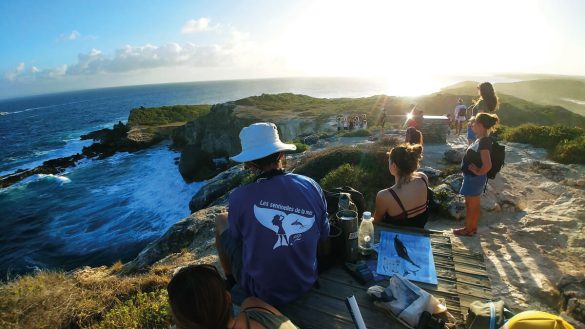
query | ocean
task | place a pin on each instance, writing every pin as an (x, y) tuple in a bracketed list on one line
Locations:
[(106, 210)]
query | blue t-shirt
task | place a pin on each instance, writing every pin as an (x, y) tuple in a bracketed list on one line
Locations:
[(279, 222)]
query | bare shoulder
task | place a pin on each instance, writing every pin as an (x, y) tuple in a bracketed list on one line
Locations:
[(422, 175)]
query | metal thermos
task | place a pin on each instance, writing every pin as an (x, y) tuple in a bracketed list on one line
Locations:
[(349, 229)]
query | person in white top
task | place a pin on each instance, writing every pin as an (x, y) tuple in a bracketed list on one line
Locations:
[(460, 112)]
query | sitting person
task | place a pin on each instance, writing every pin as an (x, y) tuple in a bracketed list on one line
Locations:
[(267, 242), (413, 136), (409, 191), (199, 299)]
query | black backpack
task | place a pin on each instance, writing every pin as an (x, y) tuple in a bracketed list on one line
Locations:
[(497, 155)]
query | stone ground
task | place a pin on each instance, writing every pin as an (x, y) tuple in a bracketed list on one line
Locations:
[(533, 237), (534, 246)]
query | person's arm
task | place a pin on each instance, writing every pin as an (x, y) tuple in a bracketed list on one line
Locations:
[(380, 207), (486, 163)]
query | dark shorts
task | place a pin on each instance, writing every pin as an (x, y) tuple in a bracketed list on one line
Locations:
[(233, 250), (473, 185)]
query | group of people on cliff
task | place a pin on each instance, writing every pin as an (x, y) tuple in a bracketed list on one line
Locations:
[(351, 122), (267, 242)]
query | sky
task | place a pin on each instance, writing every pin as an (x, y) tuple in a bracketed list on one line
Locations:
[(52, 46)]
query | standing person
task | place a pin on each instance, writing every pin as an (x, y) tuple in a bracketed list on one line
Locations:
[(460, 116), (470, 134), (409, 191), (199, 299), (487, 101), (413, 136), (267, 242), (475, 166)]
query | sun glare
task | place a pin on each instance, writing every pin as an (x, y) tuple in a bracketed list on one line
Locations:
[(410, 43)]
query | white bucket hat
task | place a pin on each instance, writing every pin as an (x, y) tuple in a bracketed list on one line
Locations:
[(259, 140)]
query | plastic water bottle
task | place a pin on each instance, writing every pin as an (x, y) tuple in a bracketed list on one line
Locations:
[(366, 234)]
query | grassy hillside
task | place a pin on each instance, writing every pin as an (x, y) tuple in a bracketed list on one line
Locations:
[(513, 111), (566, 92), (165, 114)]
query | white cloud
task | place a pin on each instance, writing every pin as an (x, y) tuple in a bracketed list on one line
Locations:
[(135, 58), (71, 36), (196, 25), (15, 73)]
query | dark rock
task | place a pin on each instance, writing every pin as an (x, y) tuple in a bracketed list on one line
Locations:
[(49, 167), (310, 140), (431, 173), (194, 232), (454, 155), (454, 181), (218, 186), (572, 291), (449, 202)]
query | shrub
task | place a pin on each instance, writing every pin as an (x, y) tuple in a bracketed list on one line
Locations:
[(144, 310), (357, 133), (541, 136), (344, 175), (301, 147), (565, 144), (572, 151), (368, 163)]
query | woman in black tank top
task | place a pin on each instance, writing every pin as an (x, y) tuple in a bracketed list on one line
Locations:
[(407, 198)]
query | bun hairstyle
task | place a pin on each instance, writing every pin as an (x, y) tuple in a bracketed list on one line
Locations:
[(488, 121), (407, 158), (199, 299), (488, 94)]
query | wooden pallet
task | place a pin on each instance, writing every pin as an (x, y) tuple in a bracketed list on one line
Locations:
[(461, 276)]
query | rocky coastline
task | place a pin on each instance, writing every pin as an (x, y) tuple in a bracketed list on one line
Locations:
[(531, 229), (107, 142)]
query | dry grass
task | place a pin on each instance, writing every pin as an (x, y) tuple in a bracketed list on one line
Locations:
[(79, 299)]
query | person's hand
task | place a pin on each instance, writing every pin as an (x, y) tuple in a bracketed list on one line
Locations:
[(473, 168)]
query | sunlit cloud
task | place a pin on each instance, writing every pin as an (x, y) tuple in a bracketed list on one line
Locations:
[(196, 25)]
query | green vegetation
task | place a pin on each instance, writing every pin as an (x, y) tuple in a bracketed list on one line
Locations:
[(301, 147), (88, 298), (565, 145), (357, 133), (166, 114), (344, 175), (144, 310), (364, 168)]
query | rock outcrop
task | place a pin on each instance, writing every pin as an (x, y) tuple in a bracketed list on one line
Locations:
[(49, 167), (195, 233), (217, 186), (216, 134), (118, 139)]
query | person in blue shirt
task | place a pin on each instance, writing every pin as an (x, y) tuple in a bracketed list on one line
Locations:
[(267, 242)]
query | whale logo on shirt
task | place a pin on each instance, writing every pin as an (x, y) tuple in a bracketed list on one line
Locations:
[(282, 224)]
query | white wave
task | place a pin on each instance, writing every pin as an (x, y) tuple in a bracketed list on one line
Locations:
[(149, 196), (61, 179), (71, 147), (4, 113)]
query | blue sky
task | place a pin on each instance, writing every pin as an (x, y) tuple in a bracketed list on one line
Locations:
[(62, 45)]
